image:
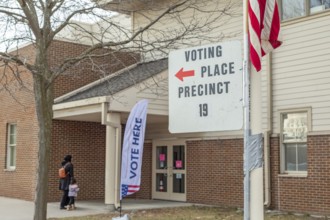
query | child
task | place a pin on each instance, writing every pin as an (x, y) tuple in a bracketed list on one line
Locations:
[(73, 191)]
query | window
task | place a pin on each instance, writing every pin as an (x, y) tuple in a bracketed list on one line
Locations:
[(297, 8), (11, 147), (319, 5), (294, 141)]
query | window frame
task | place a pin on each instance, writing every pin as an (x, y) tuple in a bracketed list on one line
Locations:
[(308, 112), (11, 160), (306, 14)]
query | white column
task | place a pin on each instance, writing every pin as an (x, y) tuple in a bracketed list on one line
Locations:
[(112, 152), (257, 196)]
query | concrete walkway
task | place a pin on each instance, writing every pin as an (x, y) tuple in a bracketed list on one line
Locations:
[(15, 209)]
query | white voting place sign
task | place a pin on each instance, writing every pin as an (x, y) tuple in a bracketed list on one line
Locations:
[(205, 88)]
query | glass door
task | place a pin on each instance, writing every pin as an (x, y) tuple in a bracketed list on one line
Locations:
[(169, 170)]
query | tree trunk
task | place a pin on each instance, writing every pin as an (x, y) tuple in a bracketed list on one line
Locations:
[(44, 100)]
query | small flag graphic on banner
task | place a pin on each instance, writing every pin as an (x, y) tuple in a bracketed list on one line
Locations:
[(129, 189)]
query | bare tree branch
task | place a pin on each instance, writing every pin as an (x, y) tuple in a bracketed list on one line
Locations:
[(14, 59), (71, 61), (30, 12), (101, 41)]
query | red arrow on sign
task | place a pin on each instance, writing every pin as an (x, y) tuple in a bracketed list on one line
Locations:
[(181, 74)]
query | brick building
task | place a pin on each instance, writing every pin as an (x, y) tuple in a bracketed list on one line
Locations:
[(19, 132), (290, 99)]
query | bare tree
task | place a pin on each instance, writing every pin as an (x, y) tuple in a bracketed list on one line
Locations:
[(41, 22)]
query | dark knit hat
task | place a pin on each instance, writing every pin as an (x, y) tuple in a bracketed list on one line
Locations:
[(68, 158)]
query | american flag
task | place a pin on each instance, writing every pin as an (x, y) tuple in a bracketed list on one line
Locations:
[(129, 189), (264, 29)]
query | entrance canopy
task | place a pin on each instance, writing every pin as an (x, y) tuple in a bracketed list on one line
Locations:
[(118, 93)]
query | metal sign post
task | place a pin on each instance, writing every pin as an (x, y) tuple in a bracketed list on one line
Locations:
[(246, 110)]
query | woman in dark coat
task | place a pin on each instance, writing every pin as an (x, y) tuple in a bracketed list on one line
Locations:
[(65, 182)]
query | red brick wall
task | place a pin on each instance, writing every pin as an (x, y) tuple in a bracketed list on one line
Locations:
[(85, 71), (215, 172), (85, 141), (275, 171), (309, 194), (27, 53), (18, 107)]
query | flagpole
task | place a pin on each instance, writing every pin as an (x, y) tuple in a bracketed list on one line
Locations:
[(246, 108)]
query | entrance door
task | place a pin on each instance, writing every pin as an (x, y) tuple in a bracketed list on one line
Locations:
[(169, 170)]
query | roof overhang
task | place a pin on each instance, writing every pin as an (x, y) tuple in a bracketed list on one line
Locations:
[(83, 110), (124, 6), (95, 110), (92, 102)]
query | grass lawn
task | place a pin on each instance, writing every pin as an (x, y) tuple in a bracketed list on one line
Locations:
[(185, 213)]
